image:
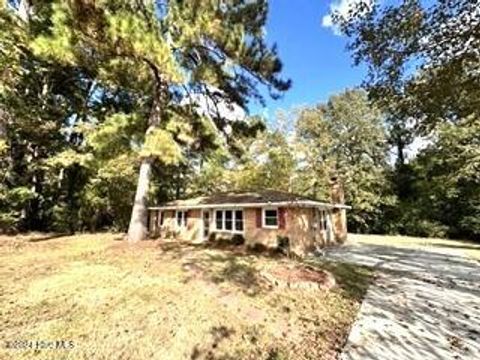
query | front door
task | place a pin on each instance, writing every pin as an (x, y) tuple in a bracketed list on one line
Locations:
[(206, 223)]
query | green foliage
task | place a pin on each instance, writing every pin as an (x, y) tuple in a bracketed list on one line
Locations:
[(422, 58), (92, 88), (160, 143), (115, 135), (345, 138), (268, 163), (102, 203), (12, 201), (450, 168), (138, 39), (438, 190), (423, 71), (214, 175), (58, 45), (67, 159)]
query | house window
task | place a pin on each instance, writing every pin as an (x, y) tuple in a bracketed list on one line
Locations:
[(270, 218), (219, 219), (181, 219), (239, 220), (323, 220), (229, 221), (161, 218)]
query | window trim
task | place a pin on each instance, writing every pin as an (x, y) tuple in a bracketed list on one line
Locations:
[(324, 220), (231, 220), (264, 211), (183, 221), (234, 221), (234, 230), (216, 219), (162, 218)]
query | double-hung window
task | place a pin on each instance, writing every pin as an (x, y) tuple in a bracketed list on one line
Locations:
[(219, 219), (270, 218), (161, 218), (323, 220), (238, 220), (229, 221), (181, 219)]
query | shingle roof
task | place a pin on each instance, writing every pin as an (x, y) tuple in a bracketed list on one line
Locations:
[(248, 197)]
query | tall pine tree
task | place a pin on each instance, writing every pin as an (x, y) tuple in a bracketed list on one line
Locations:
[(167, 51)]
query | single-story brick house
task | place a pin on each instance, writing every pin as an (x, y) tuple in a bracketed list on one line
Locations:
[(260, 217)]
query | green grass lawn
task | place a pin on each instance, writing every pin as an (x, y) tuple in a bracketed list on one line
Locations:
[(457, 247), (164, 301)]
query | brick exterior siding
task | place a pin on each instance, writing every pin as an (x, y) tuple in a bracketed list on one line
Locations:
[(298, 226)]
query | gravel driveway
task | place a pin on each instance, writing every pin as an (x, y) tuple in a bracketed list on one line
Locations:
[(424, 304)]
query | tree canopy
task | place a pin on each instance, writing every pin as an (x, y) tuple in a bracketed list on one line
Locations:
[(105, 104), (422, 58), (345, 138), (141, 66)]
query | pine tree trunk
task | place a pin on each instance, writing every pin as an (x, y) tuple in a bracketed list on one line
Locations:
[(138, 228)]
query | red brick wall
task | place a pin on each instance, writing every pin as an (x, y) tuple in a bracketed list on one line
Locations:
[(298, 226)]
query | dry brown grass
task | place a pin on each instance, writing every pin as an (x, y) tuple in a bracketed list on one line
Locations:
[(454, 247), (147, 301)]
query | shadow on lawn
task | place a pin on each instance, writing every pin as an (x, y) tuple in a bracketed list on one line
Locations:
[(227, 265), (354, 280), (240, 266), (47, 237), (206, 351), (219, 334)]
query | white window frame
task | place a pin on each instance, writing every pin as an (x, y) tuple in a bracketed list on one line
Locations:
[(202, 219), (322, 220), (264, 212), (183, 222), (233, 230), (161, 218)]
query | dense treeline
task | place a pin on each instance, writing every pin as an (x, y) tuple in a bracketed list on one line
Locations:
[(74, 124), (94, 93), (434, 193)]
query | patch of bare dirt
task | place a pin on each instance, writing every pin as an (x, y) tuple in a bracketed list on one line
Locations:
[(299, 277)]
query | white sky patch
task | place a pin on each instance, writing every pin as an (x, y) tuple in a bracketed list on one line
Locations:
[(418, 144), (228, 111), (206, 106), (341, 7)]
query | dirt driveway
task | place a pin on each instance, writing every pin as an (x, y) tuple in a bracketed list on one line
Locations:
[(424, 304)]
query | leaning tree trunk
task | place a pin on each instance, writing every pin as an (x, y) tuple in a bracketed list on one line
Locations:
[(138, 228)]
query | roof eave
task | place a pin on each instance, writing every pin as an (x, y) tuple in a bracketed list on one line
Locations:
[(299, 203)]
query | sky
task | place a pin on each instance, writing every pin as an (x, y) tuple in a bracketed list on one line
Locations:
[(313, 53)]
